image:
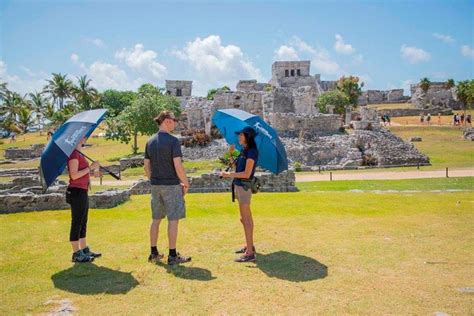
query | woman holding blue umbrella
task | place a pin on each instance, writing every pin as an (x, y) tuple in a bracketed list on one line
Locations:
[(77, 191), (245, 169)]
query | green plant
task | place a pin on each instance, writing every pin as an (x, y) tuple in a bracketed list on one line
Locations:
[(351, 87), (297, 166), (425, 84), (337, 98)]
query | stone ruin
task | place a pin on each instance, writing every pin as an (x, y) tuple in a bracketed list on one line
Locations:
[(25, 193), (382, 96), (437, 95), (211, 183), (32, 152), (287, 103), (289, 97)]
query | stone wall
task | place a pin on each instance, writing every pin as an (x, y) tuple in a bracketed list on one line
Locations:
[(416, 112), (293, 125), (436, 96), (369, 119), (247, 101), (382, 96), (282, 69), (32, 152), (251, 85), (328, 85), (186, 87), (29, 201), (206, 183)]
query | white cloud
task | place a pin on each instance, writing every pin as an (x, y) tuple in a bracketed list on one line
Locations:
[(34, 82), (467, 51), (217, 64), (285, 53), (109, 76), (74, 58), (96, 42), (341, 47), (320, 58), (443, 37), (143, 61), (414, 54)]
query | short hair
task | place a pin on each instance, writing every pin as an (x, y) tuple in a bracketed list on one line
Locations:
[(163, 116)]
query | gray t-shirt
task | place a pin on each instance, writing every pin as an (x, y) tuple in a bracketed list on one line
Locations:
[(161, 148)]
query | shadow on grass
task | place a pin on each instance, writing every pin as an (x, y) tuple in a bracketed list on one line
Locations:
[(89, 279), (189, 273), (290, 266)]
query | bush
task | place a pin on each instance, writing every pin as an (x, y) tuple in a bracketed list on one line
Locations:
[(297, 166), (336, 98)]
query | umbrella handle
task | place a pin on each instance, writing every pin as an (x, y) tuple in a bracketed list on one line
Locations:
[(103, 168)]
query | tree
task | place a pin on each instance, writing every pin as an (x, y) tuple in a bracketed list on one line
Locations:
[(138, 117), (336, 98), (149, 89), (59, 88), (465, 94), (425, 84), (116, 101), (84, 94), (350, 86), (25, 118), (39, 105), (449, 84), (212, 92)]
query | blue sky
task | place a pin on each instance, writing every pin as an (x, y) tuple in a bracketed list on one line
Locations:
[(122, 44)]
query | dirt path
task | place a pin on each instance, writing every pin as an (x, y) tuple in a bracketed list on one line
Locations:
[(385, 175), (382, 175)]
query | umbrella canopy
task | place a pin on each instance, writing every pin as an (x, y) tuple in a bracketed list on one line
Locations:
[(272, 154), (64, 141)]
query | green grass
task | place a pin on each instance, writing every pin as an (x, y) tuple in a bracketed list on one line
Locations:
[(327, 253), (444, 145), (465, 183), (391, 106)]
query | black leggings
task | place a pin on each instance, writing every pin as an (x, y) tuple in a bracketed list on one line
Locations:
[(79, 212)]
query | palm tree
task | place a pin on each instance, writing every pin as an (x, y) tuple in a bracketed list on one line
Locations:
[(465, 94), (39, 104), (449, 83), (84, 94), (59, 88), (10, 108), (425, 84), (25, 118)]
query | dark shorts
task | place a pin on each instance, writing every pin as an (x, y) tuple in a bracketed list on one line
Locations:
[(167, 201)]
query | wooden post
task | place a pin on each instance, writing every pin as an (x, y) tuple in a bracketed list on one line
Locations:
[(319, 169), (101, 180), (447, 173), (418, 166), (330, 176)]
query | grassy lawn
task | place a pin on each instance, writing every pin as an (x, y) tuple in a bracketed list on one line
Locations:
[(333, 253), (442, 184), (444, 145), (390, 106)]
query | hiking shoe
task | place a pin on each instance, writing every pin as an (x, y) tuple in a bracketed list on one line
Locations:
[(87, 251), (244, 250), (247, 258), (178, 259), (80, 257), (155, 257)]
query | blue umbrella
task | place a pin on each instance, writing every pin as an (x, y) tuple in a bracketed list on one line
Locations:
[(272, 154), (63, 143)]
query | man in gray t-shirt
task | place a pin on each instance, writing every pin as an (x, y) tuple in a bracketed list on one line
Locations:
[(163, 166)]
